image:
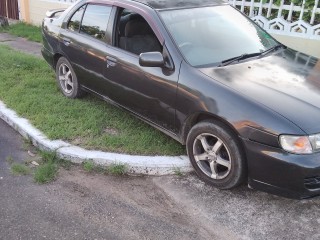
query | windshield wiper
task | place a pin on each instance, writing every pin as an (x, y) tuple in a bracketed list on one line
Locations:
[(250, 55), (238, 58), (274, 48)]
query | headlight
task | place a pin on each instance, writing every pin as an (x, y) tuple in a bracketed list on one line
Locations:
[(297, 144), (315, 141), (300, 144)]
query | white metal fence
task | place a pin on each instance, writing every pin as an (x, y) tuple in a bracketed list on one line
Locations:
[(284, 19)]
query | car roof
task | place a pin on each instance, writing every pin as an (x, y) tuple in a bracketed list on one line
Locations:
[(164, 4), (174, 4)]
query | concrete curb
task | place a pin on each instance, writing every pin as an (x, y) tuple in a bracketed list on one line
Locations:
[(150, 165)]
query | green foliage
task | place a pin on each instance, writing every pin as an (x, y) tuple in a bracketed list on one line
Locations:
[(177, 171), (64, 164), (46, 172), (19, 169), (99, 169), (88, 166), (308, 6), (9, 159), (48, 169), (27, 143), (117, 169), (22, 29), (48, 156)]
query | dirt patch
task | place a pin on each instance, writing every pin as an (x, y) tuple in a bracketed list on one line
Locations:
[(132, 207), (77, 141), (111, 131)]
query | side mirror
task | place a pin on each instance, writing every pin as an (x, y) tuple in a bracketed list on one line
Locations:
[(151, 59)]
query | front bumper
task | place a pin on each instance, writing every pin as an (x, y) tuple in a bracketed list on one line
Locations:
[(275, 171)]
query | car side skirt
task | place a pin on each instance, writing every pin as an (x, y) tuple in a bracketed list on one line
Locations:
[(110, 101)]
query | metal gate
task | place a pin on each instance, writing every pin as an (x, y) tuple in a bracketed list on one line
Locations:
[(9, 9)]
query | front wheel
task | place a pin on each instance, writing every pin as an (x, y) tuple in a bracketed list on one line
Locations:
[(67, 79), (216, 155)]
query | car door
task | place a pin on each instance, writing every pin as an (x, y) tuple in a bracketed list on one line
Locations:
[(149, 92), (83, 42)]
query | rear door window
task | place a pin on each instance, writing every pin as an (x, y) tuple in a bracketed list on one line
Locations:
[(74, 23), (95, 20)]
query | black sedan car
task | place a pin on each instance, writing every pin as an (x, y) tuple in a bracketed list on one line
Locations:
[(246, 107)]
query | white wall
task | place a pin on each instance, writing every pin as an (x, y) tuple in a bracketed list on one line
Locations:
[(38, 8), (308, 46)]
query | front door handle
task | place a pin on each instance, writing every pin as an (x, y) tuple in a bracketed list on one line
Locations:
[(66, 41), (111, 62)]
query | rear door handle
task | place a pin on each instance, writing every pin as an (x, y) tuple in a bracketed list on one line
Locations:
[(66, 41), (111, 62)]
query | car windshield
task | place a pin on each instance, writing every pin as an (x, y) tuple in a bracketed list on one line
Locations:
[(210, 35)]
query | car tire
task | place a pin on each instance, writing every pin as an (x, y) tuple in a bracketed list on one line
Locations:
[(67, 79), (216, 155)]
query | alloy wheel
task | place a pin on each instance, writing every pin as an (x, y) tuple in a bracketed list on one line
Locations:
[(212, 156), (65, 78)]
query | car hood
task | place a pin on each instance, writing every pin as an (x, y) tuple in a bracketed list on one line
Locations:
[(287, 82)]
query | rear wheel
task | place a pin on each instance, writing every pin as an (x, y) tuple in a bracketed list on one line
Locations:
[(67, 79), (216, 155)]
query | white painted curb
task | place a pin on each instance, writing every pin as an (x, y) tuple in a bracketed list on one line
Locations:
[(150, 165)]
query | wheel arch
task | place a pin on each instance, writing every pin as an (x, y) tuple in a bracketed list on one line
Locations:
[(209, 117), (56, 58), (201, 117)]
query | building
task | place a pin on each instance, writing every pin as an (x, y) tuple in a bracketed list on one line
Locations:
[(33, 11)]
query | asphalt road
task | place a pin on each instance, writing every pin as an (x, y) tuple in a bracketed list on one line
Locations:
[(79, 205), (245, 213), (86, 206)]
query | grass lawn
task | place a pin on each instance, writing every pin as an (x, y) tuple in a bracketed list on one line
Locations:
[(27, 85), (21, 29)]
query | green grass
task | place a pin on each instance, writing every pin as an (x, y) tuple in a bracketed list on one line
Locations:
[(48, 156), (49, 165), (117, 169), (88, 166), (27, 143), (48, 169), (46, 172), (177, 171), (114, 169), (21, 29), (100, 169), (9, 159), (19, 169), (66, 164), (27, 85)]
